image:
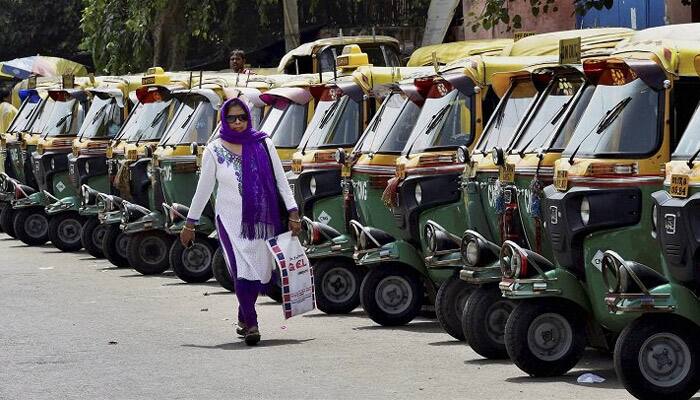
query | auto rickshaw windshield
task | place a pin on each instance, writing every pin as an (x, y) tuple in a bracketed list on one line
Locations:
[(65, 118), (549, 111), (391, 126), (285, 123), (193, 123), (25, 115), (151, 122), (103, 119), (43, 112), (338, 125), (444, 123), (619, 121), (505, 120), (690, 141)]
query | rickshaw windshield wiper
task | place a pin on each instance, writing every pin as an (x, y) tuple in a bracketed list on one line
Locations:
[(158, 117), (691, 160), (327, 114), (373, 129), (552, 121), (431, 125), (605, 122)]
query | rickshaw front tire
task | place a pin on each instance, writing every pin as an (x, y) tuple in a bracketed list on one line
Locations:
[(485, 308), (55, 227), (370, 285), (7, 220), (321, 270), (109, 246), (450, 302), (147, 267), (19, 225), (177, 251), (87, 237)]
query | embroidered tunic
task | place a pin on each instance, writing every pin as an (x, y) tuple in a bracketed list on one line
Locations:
[(251, 259)]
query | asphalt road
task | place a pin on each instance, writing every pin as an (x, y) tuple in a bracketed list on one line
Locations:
[(72, 327)]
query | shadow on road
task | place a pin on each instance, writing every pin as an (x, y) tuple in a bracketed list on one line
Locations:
[(167, 274), (242, 346), (423, 327), (355, 314), (454, 342)]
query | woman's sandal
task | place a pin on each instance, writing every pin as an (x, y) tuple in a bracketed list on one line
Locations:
[(252, 336), (242, 329)]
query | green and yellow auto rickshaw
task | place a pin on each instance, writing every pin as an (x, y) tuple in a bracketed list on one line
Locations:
[(601, 199), (86, 165), (128, 159), (32, 225)]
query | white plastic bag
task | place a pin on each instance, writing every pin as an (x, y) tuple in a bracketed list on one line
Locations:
[(297, 277)]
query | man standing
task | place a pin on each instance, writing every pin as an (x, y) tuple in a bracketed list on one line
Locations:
[(7, 110), (236, 62)]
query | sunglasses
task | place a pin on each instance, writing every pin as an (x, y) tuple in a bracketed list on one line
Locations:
[(231, 118)]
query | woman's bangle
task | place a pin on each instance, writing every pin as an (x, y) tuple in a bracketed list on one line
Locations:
[(188, 228), (295, 220)]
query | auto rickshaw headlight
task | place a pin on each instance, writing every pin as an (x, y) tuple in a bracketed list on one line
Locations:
[(498, 156), (470, 253), (418, 194), (513, 260), (585, 211), (507, 253), (312, 185)]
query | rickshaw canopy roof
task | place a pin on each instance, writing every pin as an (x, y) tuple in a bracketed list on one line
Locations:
[(294, 94), (448, 52), (596, 40)]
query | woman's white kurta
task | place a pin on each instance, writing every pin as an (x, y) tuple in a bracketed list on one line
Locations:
[(220, 166)]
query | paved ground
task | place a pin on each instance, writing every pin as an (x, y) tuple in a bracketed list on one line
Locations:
[(72, 327)]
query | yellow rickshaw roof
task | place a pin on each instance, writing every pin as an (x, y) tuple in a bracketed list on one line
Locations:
[(676, 56), (448, 52), (482, 68), (500, 81), (596, 40), (369, 77), (310, 48)]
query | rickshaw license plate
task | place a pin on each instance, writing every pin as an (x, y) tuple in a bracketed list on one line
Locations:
[(561, 181), (507, 173), (679, 185)]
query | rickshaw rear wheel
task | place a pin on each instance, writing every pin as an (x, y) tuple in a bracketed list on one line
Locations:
[(31, 226), (65, 231), (657, 357), (7, 220), (391, 294), (337, 285), (148, 251), (92, 237), (449, 305), (220, 270), (192, 264), (114, 245), (546, 337), (484, 321)]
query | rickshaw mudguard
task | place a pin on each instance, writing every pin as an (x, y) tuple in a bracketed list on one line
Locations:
[(37, 199), (557, 283), (89, 211), (481, 275), (153, 220), (111, 217), (204, 226), (399, 251), (71, 203), (340, 246), (670, 298)]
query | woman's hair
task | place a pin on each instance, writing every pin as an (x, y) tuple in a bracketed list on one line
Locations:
[(238, 52)]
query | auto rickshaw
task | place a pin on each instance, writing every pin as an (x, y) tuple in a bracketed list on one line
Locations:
[(86, 165), (645, 94), (320, 56), (29, 118), (32, 224), (509, 205), (128, 158), (337, 278)]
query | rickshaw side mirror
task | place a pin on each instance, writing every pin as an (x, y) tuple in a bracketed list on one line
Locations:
[(194, 148)]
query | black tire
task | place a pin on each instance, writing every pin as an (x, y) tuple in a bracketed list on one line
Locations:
[(337, 285), (65, 231), (484, 322), (7, 220), (554, 318), (114, 246), (148, 251), (274, 289), (670, 341), (220, 271), (2, 208), (379, 289), (31, 226), (193, 264), (92, 237), (449, 305)]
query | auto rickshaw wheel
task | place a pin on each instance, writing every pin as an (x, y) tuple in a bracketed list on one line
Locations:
[(337, 285), (114, 245), (192, 264), (31, 226), (657, 357), (484, 321), (220, 270), (7, 220), (391, 294), (65, 231), (546, 337), (148, 251), (449, 305), (92, 236)]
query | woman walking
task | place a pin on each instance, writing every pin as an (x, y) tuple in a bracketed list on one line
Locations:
[(244, 164)]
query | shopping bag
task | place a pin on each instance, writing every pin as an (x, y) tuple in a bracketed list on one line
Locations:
[(297, 278)]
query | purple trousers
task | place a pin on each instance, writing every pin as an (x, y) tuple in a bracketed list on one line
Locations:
[(246, 291)]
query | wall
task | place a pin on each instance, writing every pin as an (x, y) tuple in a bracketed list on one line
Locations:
[(563, 19)]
